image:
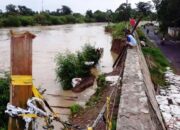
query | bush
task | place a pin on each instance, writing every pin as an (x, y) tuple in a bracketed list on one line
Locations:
[(101, 84), (118, 30), (75, 108), (11, 21), (4, 99), (70, 65), (25, 21), (66, 66), (90, 54), (141, 35)]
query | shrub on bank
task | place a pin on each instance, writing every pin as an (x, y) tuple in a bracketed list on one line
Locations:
[(70, 65), (157, 63), (11, 21), (141, 35), (117, 30), (4, 99), (75, 109)]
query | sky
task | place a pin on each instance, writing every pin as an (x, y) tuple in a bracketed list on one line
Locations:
[(80, 6)]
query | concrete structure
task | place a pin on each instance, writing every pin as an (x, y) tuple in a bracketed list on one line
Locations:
[(138, 109)]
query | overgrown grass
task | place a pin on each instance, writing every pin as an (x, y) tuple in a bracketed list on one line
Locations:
[(141, 35), (157, 63), (75, 109), (118, 30), (71, 65), (4, 99), (101, 84), (155, 59)]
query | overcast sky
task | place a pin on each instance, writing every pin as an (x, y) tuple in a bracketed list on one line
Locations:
[(76, 5)]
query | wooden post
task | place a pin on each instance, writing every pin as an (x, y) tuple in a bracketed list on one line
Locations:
[(21, 64)]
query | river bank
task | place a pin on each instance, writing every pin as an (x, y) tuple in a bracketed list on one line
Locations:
[(49, 41)]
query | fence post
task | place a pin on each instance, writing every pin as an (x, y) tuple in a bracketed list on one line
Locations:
[(21, 64)]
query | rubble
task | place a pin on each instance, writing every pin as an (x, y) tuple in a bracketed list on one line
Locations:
[(169, 100)]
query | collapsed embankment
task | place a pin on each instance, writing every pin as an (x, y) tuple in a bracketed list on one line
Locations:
[(95, 112)]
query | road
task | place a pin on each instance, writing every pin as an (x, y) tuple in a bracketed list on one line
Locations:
[(171, 49)]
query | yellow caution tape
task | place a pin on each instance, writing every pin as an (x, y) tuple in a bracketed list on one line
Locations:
[(36, 92), (29, 115), (90, 128), (110, 125), (21, 80)]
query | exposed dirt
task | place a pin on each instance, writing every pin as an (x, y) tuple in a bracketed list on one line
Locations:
[(87, 116), (85, 83), (117, 45)]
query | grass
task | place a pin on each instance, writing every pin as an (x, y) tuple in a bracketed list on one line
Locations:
[(101, 84), (142, 36), (118, 30), (157, 63), (75, 109), (155, 59)]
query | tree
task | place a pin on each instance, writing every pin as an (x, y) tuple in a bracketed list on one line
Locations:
[(100, 16), (89, 14), (11, 9), (169, 14), (23, 10), (157, 3), (144, 8), (123, 12), (65, 10)]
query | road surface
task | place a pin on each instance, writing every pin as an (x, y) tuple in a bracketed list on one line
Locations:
[(171, 49)]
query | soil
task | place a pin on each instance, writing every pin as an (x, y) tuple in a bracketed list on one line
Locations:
[(85, 83), (117, 45), (87, 116)]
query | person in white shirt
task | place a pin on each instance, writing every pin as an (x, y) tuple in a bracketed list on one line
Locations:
[(130, 39)]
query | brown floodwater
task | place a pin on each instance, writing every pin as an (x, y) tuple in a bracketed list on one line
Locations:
[(50, 41)]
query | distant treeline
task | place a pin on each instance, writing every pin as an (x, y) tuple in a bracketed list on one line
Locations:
[(16, 16)]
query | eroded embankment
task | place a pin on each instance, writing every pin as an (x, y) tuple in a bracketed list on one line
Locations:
[(138, 107), (95, 112)]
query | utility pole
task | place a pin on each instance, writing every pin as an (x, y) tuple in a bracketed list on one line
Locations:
[(42, 5), (21, 66)]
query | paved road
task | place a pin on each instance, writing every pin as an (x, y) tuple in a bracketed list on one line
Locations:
[(170, 49)]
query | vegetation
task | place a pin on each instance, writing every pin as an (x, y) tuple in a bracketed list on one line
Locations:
[(118, 30), (101, 84), (141, 35), (156, 61), (16, 16), (75, 109), (71, 65), (4, 99), (168, 13)]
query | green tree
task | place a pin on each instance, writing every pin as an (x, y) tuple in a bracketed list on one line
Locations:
[(23, 10), (11, 9), (169, 14), (100, 16), (123, 12), (144, 8), (65, 10)]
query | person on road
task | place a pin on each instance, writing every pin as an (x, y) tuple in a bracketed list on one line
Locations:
[(131, 41), (147, 31)]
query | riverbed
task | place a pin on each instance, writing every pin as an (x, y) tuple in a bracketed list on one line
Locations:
[(51, 40)]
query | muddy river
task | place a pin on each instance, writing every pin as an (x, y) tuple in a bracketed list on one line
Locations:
[(49, 42)]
